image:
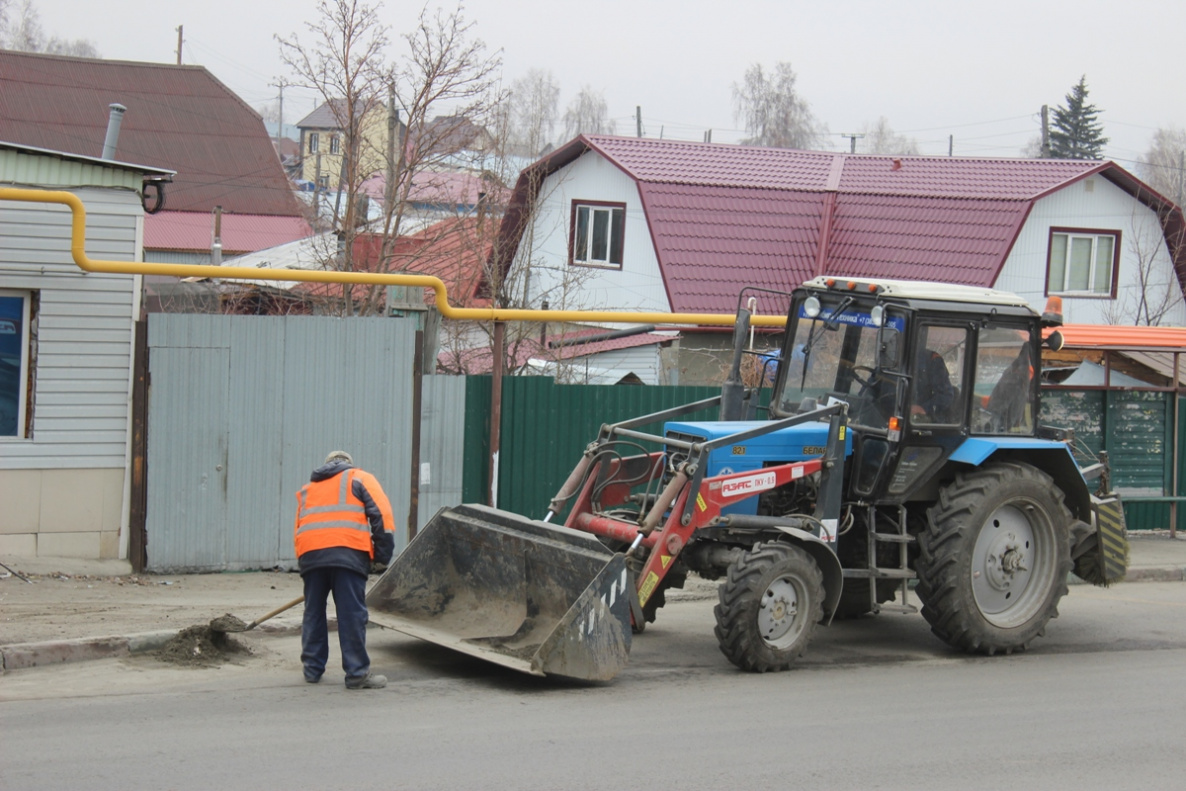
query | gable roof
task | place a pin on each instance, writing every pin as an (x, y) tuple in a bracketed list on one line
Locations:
[(240, 233), (329, 115), (722, 217), (179, 118)]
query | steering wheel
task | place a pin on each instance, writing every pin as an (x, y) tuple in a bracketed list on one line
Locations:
[(866, 383), (879, 393)]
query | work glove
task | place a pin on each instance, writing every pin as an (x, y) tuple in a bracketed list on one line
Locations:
[(378, 568)]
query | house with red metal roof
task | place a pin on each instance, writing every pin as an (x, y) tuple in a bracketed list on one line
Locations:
[(655, 225), (177, 117)]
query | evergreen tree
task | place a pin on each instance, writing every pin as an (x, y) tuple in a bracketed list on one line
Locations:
[(1076, 132)]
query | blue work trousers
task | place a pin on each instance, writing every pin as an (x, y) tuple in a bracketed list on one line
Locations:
[(349, 590)]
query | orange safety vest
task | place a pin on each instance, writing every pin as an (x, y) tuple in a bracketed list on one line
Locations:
[(329, 515)]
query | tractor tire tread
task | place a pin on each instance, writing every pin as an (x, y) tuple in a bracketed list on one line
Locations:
[(735, 631), (952, 612)]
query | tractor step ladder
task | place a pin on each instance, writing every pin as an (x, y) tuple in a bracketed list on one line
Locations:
[(902, 571)]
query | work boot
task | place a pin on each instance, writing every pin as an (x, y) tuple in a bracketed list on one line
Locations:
[(369, 681)]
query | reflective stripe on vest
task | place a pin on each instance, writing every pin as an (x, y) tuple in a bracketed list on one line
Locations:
[(323, 521)]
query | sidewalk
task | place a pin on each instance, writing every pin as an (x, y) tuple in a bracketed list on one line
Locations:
[(72, 610)]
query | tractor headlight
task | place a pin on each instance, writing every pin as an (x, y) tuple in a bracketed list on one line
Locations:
[(877, 315), (811, 307)]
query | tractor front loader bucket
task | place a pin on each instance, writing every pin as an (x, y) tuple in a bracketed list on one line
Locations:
[(538, 598)]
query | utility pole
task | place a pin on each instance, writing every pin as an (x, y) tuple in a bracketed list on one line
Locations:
[(852, 136), (179, 29), (1045, 132), (317, 186), (638, 119), (281, 84), (1181, 175), (216, 246), (392, 133)]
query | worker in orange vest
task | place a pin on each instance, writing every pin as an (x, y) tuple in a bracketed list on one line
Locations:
[(344, 530)]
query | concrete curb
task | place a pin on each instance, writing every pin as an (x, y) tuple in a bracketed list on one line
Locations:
[(52, 652), (18, 656), (1156, 574)]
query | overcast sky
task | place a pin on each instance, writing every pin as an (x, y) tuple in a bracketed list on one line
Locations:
[(977, 71)]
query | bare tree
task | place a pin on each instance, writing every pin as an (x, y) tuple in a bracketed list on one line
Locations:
[(1163, 167), (445, 66), (1033, 148), (77, 48), (881, 139), (23, 27), (346, 66), (587, 114), (772, 110), (20, 30), (269, 111), (1157, 290), (533, 110)]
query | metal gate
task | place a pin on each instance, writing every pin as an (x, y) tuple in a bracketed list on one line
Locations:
[(242, 408)]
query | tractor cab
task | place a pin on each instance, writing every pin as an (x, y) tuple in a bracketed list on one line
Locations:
[(921, 366)]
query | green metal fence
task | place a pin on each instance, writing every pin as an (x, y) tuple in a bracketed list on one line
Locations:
[(1136, 428), (546, 426)]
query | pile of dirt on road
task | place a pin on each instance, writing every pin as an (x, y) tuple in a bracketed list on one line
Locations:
[(201, 646), (228, 623)]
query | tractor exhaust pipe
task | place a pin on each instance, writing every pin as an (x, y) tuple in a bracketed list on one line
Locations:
[(733, 396)]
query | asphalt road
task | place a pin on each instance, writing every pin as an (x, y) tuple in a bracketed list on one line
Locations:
[(1098, 704)]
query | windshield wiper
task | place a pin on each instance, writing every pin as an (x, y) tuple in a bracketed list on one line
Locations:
[(831, 322)]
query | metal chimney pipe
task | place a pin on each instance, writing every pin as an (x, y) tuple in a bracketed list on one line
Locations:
[(114, 120)]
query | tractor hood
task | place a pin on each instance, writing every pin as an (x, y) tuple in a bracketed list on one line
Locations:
[(793, 443)]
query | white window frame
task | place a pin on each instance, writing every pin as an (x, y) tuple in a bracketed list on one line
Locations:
[(335, 144), (585, 254), (314, 142), (1094, 289), (26, 298)]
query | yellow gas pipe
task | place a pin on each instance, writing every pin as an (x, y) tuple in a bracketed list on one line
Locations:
[(78, 252)]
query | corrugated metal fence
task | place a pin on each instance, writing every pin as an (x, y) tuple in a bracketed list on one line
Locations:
[(241, 409)]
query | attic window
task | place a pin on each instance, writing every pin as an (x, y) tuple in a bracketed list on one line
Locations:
[(1082, 263), (598, 234)]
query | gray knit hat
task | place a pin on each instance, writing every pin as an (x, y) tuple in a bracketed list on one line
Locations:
[(339, 455)]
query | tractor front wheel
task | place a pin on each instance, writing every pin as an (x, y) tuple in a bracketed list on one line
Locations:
[(994, 559), (769, 607)]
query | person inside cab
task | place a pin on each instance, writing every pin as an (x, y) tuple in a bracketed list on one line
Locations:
[(935, 396)]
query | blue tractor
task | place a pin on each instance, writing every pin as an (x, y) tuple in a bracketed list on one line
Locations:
[(898, 456)]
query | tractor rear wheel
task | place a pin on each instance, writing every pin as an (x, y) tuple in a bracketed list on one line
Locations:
[(769, 606), (994, 558)]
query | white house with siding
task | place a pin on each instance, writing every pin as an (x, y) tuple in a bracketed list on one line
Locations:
[(66, 356)]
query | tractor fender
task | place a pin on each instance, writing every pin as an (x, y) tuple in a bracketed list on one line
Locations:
[(1053, 458), (825, 557)]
